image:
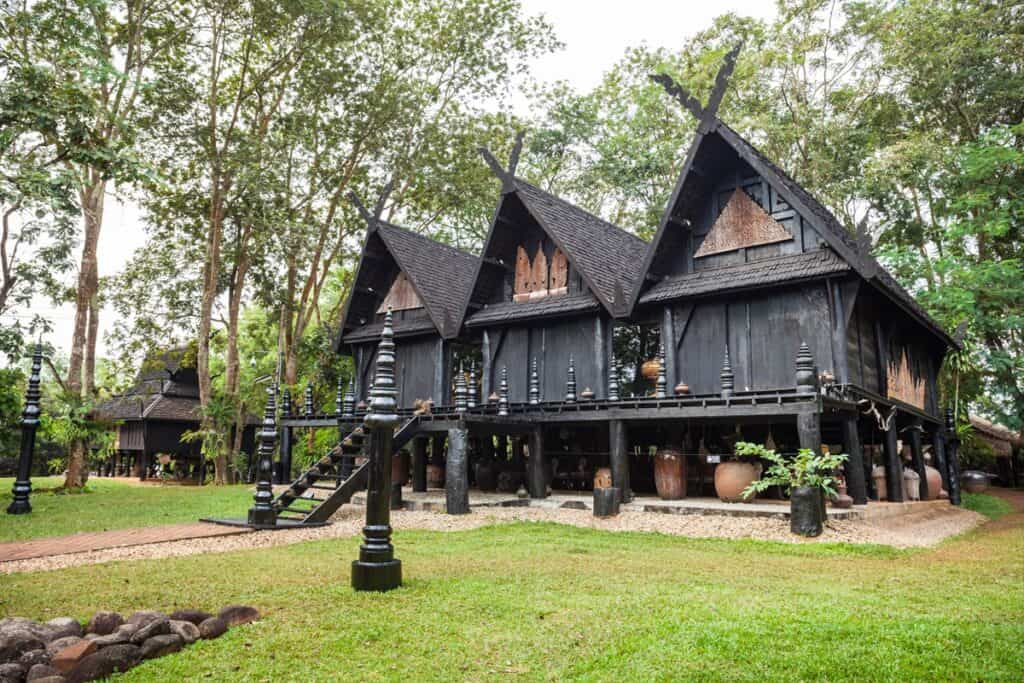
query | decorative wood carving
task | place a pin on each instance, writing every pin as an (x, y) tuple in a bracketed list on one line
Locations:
[(401, 296), (742, 223), (539, 274), (522, 277), (902, 385), (559, 272)]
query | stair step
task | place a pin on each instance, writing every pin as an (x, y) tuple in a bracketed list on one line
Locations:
[(323, 488), (301, 511)]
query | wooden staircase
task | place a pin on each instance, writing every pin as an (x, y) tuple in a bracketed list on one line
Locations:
[(319, 491)]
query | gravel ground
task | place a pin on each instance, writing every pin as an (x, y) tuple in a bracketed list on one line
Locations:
[(925, 528)]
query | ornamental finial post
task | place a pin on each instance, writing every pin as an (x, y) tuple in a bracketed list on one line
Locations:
[(503, 392), (471, 389), (534, 397), (286, 402), (806, 378), (377, 569), (570, 382), (262, 513), (460, 391), (348, 409), (613, 380), (339, 398), (22, 488), (661, 386), (728, 379), (308, 408)]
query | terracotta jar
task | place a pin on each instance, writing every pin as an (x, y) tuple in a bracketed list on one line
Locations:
[(878, 475), (603, 478), (974, 481), (650, 368), (435, 476), (842, 500), (400, 468), (732, 477), (670, 474), (934, 482)]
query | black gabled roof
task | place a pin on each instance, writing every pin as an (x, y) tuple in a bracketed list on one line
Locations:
[(542, 308), (440, 274), (778, 270), (606, 256), (810, 208)]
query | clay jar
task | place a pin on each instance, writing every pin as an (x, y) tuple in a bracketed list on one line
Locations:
[(934, 482), (670, 474), (603, 478), (732, 477)]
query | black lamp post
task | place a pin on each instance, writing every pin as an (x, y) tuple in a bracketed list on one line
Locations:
[(377, 569), (29, 423)]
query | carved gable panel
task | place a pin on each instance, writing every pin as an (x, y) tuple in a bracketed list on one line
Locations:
[(401, 296), (903, 385), (741, 224)]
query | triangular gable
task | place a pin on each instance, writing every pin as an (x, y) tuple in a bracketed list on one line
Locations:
[(601, 253), (742, 223), (434, 274), (820, 218)]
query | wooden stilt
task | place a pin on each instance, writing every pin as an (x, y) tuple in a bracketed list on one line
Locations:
[(538, 479), (618, 448), (855, 482), (917, 457), (456, 482), (419, 464), (808, 427), (893, 466)]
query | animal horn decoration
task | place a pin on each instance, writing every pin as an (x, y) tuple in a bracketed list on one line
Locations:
[(707, 114)]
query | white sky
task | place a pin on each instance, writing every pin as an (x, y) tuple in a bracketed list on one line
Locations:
[(596, 34)]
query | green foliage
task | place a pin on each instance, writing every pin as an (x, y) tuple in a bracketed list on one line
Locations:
[(66, 419), (805, 468), (991, 506), (11, 390)]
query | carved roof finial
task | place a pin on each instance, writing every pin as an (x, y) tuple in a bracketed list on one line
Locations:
[(707, 114), (372, 219), (507, 176)]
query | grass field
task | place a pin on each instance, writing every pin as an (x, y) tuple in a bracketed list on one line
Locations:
[(108, 504), (547, 602)]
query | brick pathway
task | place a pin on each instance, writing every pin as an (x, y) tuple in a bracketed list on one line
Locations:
[(83, 543)]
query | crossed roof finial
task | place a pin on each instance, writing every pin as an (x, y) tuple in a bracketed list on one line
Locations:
[(378, 210), (507, 176), (707, 114)]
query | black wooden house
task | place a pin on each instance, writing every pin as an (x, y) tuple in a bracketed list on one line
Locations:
[(764, 318)]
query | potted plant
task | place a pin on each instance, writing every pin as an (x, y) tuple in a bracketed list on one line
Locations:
[(734, 476), (807, 477)]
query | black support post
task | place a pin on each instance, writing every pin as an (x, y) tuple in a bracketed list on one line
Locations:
[(284, 474), (377, 569), (855, 482), (917, 458), (538, 476), (893, 466), (456, 472), (22, 488), (419, 464), (953, 465), (618, 447), (939, 456), (808, 427)]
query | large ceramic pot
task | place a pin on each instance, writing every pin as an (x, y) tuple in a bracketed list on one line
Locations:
[(911, 485), (806, 512), (732, 477), (670, 474), (878, 475), (603, 478), (487, 475), (842, 499), (934, 482), (974, 481), (649, 369), (435, 476), (400, 468)]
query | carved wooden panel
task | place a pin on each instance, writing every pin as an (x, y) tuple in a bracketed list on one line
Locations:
[(902, 384), (401, 296), (522, 277), (742, 223), (559, 272), (539, 272)]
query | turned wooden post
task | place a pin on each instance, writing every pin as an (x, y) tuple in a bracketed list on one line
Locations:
[(570, 382), (262, 513), (893, 465), (283, 473), (22, 488), (661, 386), (456, 478), (917, 457), (613, 381), (618, 447), (855, 481), (806, 377), (460, 391), (952, 462), (503, 393), (537, 475), (727, 377), (419, 464), (377, 569), (534, 396), (471, 389)]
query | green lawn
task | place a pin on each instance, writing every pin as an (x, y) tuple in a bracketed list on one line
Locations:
[(548, 602), (107, 504), (988, 505)]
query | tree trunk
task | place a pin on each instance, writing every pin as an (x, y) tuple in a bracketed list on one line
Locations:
[(232, 373), (211, 268), (80, 368)]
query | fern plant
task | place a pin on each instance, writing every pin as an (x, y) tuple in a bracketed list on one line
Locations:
[(805, 468)]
